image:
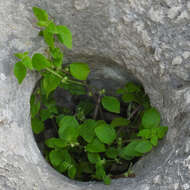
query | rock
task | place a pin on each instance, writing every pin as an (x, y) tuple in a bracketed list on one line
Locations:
[(177, 60), (132, 39), (186, 54)]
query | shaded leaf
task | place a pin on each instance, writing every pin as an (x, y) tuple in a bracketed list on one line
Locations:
[(95, 146), (119, 121), (63, 167), (107, 180), (56, 157), (129, 97), (129, 150), (143, 146), (111, 104), (112, 152), (154, 140), (55, 143), (87, 130), (161, 131), (151, 118), (34, 106), (93, 157), (72, 172), (132, 88), (37, 125)]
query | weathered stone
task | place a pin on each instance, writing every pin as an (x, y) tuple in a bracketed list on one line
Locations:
[(123, 40), (177, 60)]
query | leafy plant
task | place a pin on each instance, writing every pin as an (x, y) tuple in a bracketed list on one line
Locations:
[(84, 144)]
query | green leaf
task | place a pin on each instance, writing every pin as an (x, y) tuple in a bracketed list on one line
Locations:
[(48, 38), (37, 125), (145, 133), (43, 23), (50, 83), (40, 62), (20, 71), (74, 89), (55, 143), (79, 71), (45, 114), (85, 167), (95, 146), (63, 167), (40, 14), (143, 146), (52, 28), (86, 106), (99, 122), (112, 152), (87, 130), (21, 55), (93, 157), (161, 131), (72, 172), (154, 140), (119, 121), (120, 91), (132, 88), (65, 36), (151, 118), (27, 62), (100, 172), (68, 129), (129, 97), (34, 106), (111, 104), (59, 118), (107, 180), (57, 57), (105, 133), (129, 150), (56, 157)]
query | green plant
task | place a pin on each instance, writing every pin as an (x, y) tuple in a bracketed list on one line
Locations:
[(86, 145)]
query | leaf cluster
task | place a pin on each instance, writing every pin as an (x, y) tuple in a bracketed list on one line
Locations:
[(85, 145)]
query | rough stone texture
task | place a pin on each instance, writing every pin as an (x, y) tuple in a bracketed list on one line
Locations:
[(149, 38)]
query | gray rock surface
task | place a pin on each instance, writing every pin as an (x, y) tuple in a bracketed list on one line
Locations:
[(148, 38)]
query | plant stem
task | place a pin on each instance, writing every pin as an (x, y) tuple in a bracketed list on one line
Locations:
[(61, 77), (55, 73), (76, 82), (134, 112), (97, 107)]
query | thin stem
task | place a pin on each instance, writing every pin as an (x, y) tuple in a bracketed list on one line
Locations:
[(97, 107), (55, 73), (61, 77), (76, 82), (134, 112)]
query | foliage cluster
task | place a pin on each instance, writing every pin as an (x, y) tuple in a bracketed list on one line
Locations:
[(86, 146)]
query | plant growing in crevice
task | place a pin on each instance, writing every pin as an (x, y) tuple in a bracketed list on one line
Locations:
[(101, 136)]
